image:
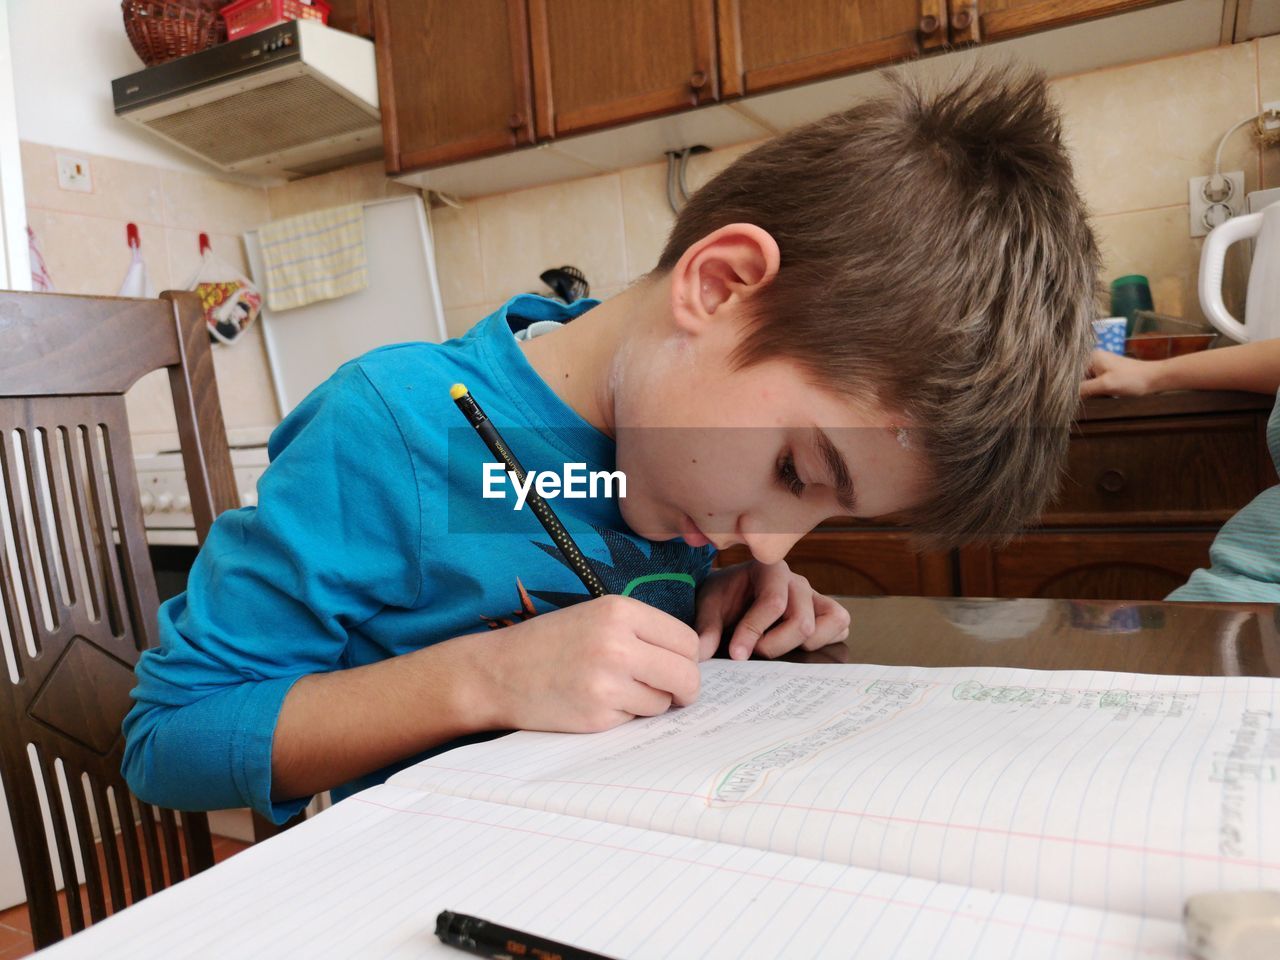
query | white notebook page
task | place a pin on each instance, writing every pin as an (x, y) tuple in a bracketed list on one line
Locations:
[(367, 878), (1117, 791)]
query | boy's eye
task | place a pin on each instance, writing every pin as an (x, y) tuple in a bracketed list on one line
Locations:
[(788, 477)]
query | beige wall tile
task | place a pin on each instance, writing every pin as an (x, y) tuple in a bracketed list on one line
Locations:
[(90, 255), (121, 190), (150, 408), (1269, 92), (205, 204), (1138, 133), (1154, 243), (311, 193), (524, 233), (369, 181), (456, 236), (458, 320), (646, 215)]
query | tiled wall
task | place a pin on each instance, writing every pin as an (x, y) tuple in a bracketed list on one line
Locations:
[(1137, 132), (82, 238)]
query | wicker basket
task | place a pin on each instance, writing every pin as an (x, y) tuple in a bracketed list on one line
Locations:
[(162, 30)]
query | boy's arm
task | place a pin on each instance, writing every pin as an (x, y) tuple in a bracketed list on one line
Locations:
[(1249, 366), (335, 538), (585, 668)]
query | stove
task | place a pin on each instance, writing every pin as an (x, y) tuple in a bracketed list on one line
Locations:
[(166, 505)]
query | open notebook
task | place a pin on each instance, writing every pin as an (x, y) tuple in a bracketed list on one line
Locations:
[(797, 811)]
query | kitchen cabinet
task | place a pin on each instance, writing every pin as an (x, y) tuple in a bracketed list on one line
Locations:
[(462, 81), (353, 16), (453, 78), (765, 44), (864, 563), (1148, 482), (999, 19), (599, 62)]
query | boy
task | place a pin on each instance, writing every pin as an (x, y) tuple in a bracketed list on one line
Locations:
[(1245, 555), (886, 311)]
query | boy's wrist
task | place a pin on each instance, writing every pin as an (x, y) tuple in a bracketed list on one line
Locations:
[(467, 681)]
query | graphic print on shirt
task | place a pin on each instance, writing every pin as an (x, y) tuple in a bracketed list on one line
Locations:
[(666, 578)]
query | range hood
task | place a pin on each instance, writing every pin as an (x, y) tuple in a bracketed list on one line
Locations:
[(289, 101)]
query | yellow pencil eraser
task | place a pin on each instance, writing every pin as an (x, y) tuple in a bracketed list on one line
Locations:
[(457, 391)]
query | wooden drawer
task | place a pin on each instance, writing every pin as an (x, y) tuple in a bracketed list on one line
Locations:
[(1185, 470), (1084, 565), (864, 563)]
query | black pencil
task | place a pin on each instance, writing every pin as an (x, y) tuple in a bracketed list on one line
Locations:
[(541, 509)]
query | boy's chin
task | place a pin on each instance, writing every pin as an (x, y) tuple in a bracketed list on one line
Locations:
[(645, 521)]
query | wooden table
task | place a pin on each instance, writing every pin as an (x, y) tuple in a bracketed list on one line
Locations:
[(1172, 638)]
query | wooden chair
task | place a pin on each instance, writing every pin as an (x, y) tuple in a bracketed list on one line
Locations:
[(77, 591)]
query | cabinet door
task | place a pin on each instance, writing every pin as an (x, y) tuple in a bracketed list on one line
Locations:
[(1008, 18), (1085, 565), (863, 563), (601, 62), (766, 44), (353, 16), (453, 78)]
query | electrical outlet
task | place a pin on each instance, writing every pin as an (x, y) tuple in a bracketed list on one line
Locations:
[(1205, 213), (73, 173), (1271, 123)]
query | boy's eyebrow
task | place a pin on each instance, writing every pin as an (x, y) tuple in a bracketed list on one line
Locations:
[(841, 480)]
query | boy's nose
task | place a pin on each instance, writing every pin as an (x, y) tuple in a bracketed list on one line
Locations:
[(770, 547)]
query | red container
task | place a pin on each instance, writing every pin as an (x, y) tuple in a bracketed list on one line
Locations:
[(249, 16)]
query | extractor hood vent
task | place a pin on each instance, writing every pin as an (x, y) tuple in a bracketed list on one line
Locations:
[(293, 100)]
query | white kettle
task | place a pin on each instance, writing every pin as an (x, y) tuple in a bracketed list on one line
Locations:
[(1262, 301)]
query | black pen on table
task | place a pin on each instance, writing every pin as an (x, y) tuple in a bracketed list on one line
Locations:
[(486, 939), (541, 509)]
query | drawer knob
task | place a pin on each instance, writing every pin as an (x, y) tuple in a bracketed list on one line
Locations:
[(962, 19), (1112, 481), (928, 24)]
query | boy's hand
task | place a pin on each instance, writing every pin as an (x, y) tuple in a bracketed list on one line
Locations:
[(590, 667), (774, 610), (1115, 376)]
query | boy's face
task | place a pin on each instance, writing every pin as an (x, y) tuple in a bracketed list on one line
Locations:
[(757, 456)]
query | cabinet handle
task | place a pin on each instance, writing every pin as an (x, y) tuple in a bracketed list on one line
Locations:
[(515, 123), (696, 83), (928, 25), (1112, 481), (962, 19)]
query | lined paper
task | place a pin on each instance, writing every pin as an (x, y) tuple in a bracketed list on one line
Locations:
[(367, 878), (1120, 792)]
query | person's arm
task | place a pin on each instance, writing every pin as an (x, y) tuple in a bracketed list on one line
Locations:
[(1249, 366), (582, 669), (246, 701)]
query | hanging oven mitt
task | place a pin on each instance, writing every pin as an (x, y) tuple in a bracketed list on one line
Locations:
[(230, 301)]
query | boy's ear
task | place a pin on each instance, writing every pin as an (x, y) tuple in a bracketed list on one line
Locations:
[(721, 272)]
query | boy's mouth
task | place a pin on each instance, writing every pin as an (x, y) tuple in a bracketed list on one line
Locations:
[(690, 533)]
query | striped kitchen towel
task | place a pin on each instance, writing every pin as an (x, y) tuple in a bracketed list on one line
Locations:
[(315, 256)]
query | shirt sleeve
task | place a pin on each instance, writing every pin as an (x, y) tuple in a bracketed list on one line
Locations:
[(334, 539)]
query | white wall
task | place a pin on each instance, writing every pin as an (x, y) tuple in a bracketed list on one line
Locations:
[(65, 55)]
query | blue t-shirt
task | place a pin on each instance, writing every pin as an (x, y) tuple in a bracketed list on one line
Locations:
[(371, 539)]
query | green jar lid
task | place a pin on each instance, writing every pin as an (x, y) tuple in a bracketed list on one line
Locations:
[(1128, 278)]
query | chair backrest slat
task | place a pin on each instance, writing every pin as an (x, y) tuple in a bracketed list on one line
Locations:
[(78, 597)]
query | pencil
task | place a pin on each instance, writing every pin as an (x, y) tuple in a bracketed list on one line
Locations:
[(541, 509)]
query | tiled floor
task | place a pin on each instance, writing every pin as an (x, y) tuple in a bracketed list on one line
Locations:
[(15, 926)]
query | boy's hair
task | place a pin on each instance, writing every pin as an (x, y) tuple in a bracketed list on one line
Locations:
[(936, 255)]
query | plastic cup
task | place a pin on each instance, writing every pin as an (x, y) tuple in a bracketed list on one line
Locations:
[(1110, 333), (1129, 294)]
